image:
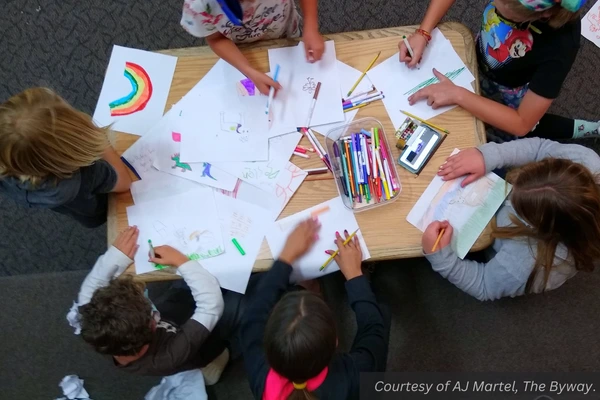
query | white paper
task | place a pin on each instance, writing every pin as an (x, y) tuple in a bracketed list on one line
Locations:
[(395, 79), (217, 126), (334, 217), (187, 385), (590, 24), (299, 79), (247, 223), (187, 222), (143, 152), (133, 96), (264, 174), (73, 388), (348, 77), (160, 186)]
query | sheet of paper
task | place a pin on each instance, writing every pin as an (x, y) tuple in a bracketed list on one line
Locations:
[(334, 217), (348, 77), (468, 209), (160, 186), (247, 223), (398, 82), (187, 222), (142, 153), (590, 24), (168, 158), (299, 79), (217, 126), (264, 174), (135, 90)]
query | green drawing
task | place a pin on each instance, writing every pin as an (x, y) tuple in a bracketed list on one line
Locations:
[(208, 254), (452, 75), (182, 165)]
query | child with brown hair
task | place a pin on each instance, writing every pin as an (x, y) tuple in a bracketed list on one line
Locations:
[(288, 335), (53, 156), (547, 231), (525, 50), (116, 317)]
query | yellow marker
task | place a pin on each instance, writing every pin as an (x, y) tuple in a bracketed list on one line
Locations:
[(337, 251), (363, 75), (439, 128)]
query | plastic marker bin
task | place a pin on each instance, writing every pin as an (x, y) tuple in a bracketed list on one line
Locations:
[(350, 149)]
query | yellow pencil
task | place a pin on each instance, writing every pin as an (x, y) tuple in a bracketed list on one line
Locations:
[(438, 239), (337, 251), (356, 107), (363, 75), (439, 128)]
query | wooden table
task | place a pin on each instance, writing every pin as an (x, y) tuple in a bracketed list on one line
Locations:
[(386, 231)]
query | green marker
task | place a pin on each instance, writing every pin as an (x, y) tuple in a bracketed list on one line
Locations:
[(237, 246), (152, 254)]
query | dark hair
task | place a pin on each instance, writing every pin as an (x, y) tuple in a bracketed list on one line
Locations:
[(300, 338), (117, 320), (560, 201)]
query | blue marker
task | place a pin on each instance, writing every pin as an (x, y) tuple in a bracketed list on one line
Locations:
[(272, 91)]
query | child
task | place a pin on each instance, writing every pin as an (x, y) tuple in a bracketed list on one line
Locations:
[(116, 318), (53, 156), (289, 340), (547, 231), (225, 23), (524, 51)]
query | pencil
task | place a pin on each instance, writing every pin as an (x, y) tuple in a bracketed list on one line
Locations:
[(363, 75), (335, 253), (439, 128), (438, 239)]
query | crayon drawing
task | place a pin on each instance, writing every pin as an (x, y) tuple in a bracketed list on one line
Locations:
[(140, 94)]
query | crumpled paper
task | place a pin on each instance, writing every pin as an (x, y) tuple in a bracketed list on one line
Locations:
[(72, 388), (187, 385)]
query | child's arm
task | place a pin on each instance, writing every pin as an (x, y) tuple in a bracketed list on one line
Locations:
[(484, 281), (518, 122), (435, 12), (123, 177), (369, 350), (228, 51), (313, 41)]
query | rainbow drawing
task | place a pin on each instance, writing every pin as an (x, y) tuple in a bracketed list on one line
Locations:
[(141, 91)]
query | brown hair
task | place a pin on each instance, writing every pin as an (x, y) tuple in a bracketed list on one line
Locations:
[(300, 339), (560, 202), (42, 136), (117, 320), (559, 16)]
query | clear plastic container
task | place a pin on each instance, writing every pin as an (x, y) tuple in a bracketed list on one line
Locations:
[(356, 203)]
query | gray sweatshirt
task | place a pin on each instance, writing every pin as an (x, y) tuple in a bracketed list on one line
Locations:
[(513, 260)]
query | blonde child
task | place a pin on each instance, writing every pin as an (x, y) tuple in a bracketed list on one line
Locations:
[(547, 231), (288, 336), (525, 50), (53, 156), (225, 23)]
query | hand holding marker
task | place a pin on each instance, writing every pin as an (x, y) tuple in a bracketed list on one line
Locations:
[(272, 94)]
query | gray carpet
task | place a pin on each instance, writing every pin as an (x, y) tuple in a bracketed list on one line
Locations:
[(65, 44)]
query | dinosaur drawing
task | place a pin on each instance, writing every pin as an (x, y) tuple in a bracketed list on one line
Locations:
[(206, 171), (184, 166)]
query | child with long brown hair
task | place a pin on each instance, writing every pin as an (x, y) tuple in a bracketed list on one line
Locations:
[(547, 231), (289, 338), (53, 156), (525, 50)]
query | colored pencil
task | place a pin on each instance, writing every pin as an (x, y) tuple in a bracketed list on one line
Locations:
[(439, 128), (335, 253), (356, 107), (363, 75), (313, 104), (435, 245)]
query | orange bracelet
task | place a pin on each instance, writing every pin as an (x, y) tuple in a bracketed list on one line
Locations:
[(425, 34)]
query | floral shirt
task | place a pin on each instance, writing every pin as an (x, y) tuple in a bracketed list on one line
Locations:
[(262, 19)]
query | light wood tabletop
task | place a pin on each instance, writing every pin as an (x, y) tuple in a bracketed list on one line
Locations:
[(387, 233)]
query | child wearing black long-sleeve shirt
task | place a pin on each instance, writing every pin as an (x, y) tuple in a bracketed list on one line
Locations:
[(288, 336)]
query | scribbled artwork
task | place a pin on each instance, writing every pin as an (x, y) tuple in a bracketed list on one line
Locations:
[(233, 122), (452, 75), (590, 24), (246, 87), (141, 91)]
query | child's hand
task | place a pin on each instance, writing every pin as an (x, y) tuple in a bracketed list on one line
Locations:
[(349, 257), (263, 82), (438, 95), (300, 241), (431, 234), (166, 255), (314, 45), (467, 162), (126, 242), (418, 44)]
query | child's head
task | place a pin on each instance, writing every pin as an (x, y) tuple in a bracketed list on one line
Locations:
[(557, 12), (559, 201), (42, 136), (300, 338), (118, 319)]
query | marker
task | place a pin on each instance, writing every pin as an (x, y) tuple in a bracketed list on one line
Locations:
[(358, 95), (301, 154), (301, 150), (237, 246), (152, 253), (272, 93), (313, 104), (410, 50), (317, 171), (336, 152)]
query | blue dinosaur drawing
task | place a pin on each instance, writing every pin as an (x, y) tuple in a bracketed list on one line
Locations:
[(206, 171)]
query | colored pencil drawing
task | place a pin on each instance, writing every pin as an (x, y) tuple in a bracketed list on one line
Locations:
[(138, 97), (594, 20), (285, 189), (452, 75), (178, 164), (310, 85), (240, 225), (246, 87)]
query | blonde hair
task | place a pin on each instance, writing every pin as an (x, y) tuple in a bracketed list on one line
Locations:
[(43, 137), (559, 16)]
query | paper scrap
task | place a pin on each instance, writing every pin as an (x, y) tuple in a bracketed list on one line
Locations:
[(187, 385), (73, 388), (590, 24)]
